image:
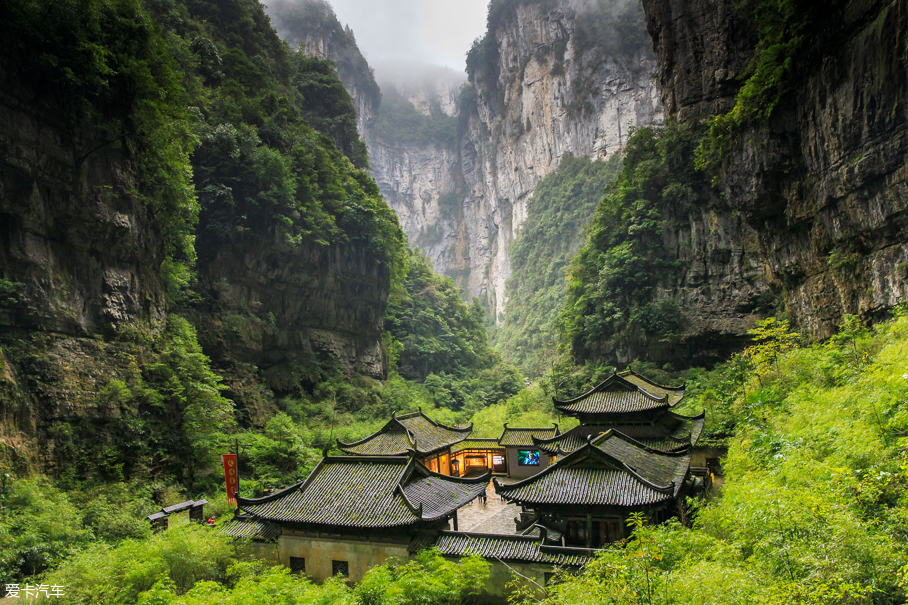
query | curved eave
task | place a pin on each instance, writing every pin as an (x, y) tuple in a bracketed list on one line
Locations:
[(383, 430), (588, 451), (677, 391)]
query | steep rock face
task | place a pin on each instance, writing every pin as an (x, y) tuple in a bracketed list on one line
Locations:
[(81, 258), (279, 309), (324, 44), (81, 246), (550, 98), (823, 184)]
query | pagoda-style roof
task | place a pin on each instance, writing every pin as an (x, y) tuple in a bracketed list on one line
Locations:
[(621, 394), (611, 470), (525, 436), (247, 527), (475, 443), (669, 432), (367, 492), (414, 431), (510, 547)]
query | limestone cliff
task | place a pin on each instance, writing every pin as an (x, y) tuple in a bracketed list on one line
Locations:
[(548, 95), (822, 185)]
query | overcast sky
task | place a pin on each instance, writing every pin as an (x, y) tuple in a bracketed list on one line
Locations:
[(431, 31)]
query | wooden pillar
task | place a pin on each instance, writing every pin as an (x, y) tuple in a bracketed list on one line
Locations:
[(589, 530), (455, 520)]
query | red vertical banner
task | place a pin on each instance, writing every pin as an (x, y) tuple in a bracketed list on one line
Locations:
[(231, 477)]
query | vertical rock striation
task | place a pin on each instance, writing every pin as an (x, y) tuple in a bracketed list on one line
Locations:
[(550, 97), (823, 184)]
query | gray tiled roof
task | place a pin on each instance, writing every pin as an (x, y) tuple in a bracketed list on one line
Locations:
[(620, 394), (439, 496), (536, 530), (382, 444), (585, 486), (524, 436), (658, 468), (250, 528), (670, 432), (613, 470), (410, 431), (674, 394), (509, 548), (360, 491), (475, 444)]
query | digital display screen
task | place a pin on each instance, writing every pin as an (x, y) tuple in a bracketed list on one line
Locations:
[(527, 458), (496, 460)]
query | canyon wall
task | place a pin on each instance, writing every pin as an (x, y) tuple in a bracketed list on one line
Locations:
[(822, 184), (465, 204)]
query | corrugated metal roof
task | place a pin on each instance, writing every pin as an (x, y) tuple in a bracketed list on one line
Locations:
[(250, 528), (524, 436), (508, 548)]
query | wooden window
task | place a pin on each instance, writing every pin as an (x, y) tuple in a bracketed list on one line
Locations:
[(297, 565), (340, 567)]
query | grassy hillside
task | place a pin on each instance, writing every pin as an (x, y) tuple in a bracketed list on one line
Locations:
[(815, 504)]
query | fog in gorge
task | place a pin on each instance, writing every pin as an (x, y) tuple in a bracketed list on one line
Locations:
[(438, 32)]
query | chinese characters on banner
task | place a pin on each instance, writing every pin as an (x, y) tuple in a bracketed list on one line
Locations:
[(231, 478), (31, 592)]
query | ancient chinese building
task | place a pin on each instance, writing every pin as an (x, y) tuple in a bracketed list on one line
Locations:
[(416, 432), (632, 405), (588, 495), (353, 512)]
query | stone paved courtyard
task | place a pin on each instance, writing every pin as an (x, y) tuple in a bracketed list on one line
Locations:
[(494, 516)]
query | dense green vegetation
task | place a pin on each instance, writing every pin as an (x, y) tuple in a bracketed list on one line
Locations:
[(814, 507), (561, 206), (399, 122), (105, 70), (441, 341), (612, 297), (297, 20)]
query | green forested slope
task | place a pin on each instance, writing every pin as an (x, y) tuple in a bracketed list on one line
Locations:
[(562, 205), (814, 507)]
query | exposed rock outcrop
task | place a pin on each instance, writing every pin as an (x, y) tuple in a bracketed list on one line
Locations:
[(551, 97), (80, 245), (823, 184)]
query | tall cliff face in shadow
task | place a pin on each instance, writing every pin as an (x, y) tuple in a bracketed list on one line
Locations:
[(169, 177), (822, 182)]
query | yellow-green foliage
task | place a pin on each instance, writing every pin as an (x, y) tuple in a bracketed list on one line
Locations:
[(102, 575), (530, 407), (815, 505), (194, 565)]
